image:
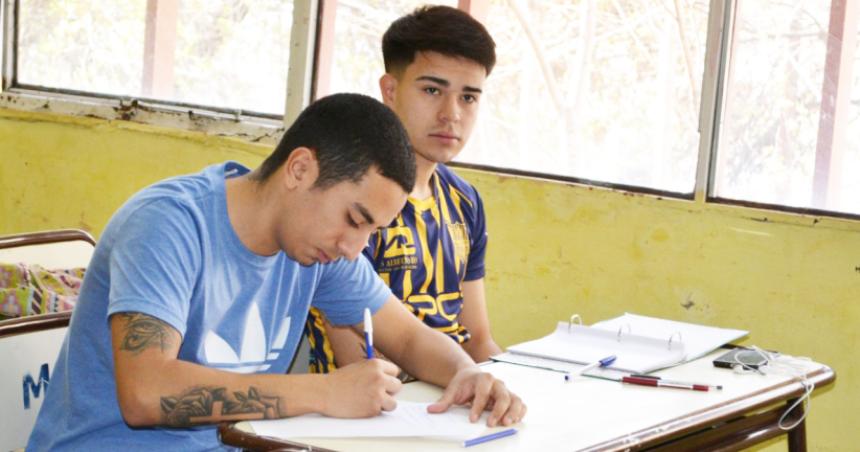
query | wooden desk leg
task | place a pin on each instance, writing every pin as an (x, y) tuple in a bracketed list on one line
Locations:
[(797, 435)]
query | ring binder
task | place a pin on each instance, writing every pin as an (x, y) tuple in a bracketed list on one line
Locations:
[(680, 339), (572, 318), (621, 327), (642, 344)]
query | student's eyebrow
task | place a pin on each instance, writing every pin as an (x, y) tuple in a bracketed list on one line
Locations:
[(430, 78), (364, 213), (446, 83)]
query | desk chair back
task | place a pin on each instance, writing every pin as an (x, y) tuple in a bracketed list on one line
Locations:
[(29, 345), (65, 248)]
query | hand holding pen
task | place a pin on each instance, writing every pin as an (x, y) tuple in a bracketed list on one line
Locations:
[(364, 388)]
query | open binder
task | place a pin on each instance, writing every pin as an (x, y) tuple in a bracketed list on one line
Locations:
[(641, 344)]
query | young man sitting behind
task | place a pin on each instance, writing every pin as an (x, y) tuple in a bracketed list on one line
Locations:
[(192, 306), (432, 255)]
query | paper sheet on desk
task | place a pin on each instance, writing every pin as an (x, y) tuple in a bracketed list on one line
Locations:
[(408, 419)]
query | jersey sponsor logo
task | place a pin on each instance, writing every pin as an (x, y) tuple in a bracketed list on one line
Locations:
[(424, 305), (399, 241), (399, 251), (254, 354)]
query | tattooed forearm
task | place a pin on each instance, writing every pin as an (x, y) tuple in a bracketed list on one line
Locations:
[(143, 331), (206, 405)]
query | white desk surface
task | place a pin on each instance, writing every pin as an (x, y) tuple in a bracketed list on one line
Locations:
[(594, 414)]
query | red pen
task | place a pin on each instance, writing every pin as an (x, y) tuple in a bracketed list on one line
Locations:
[(710, 387), (656, 381)]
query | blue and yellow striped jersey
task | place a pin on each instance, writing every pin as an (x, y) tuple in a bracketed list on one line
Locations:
[(424, 255)]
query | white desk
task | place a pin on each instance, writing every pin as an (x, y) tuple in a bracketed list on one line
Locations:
[(593, 414)]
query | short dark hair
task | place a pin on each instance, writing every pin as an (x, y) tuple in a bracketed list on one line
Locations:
[(349, 133), (441, 29)]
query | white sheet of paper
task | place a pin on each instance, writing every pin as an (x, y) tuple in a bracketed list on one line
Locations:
[(408, 419)]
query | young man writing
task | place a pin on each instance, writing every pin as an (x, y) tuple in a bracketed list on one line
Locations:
[(192, 306), (432, 254)]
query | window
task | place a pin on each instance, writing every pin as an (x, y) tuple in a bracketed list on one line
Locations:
[(80, 53), (356, 60), (779, 143), (611, 93), (227, 54), (603, 91)]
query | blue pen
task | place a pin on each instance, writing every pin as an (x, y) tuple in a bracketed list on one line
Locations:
[(368, 333), (601, 363), (489, 437)]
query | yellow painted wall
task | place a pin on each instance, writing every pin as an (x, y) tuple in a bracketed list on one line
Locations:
[(60, 171), (556, 249)]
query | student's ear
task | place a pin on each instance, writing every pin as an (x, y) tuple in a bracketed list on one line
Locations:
[(301, 169), (388, 87)]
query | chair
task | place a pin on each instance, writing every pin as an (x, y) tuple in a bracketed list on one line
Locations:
[(29, 345)]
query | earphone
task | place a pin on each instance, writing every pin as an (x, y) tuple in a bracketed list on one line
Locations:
[(778, 364)]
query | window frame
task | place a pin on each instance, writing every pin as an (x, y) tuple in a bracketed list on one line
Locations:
[(9, 43)]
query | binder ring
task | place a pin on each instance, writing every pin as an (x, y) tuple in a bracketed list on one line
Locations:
[(620, 330), (680, 340), (574, 318)]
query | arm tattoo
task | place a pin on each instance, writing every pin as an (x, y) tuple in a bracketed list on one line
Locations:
[(143, 331), (207, 405)]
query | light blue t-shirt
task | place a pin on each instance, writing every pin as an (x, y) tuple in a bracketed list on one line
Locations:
[(171, 253)]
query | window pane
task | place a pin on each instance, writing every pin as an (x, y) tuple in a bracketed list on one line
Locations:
[(221, 53), (607, 91), (359, 24), (772, 119), (234, 53), (846, 197), (81, 45)]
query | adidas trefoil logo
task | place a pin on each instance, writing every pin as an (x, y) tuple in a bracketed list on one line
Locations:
[(255, 356)]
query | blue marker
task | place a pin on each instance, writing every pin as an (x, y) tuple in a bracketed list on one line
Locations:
[(368, 333), (490, 437)]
